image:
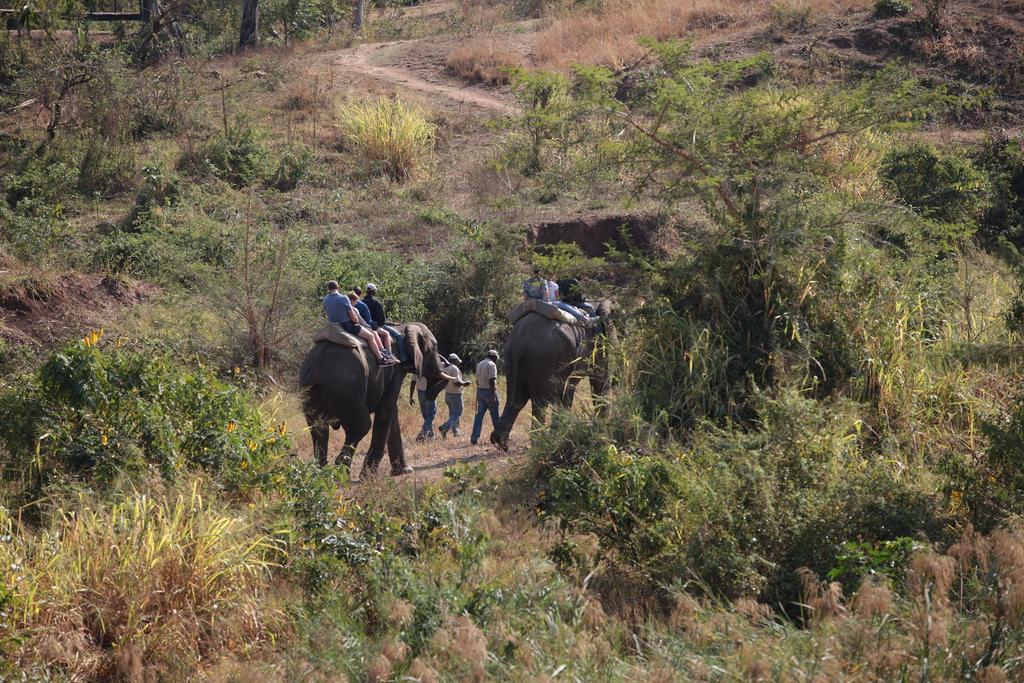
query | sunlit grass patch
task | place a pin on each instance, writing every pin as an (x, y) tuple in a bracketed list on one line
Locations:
[(145, 583), (391, 137)]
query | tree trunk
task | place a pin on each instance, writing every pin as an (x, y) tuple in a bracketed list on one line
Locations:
[(357, 20), (249, 33)]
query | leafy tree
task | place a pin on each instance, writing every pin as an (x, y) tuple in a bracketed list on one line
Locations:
[(768, 162), (942, 186)]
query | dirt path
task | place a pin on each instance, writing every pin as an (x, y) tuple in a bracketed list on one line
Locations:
[(372, 60)]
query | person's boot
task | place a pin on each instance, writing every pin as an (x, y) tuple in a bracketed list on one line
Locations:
[(444, 431)]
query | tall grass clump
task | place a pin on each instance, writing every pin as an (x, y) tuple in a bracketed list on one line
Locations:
[(146, 586), (390, 137)]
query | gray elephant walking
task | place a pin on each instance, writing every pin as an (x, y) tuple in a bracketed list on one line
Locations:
[(344, 389), (546, 357)]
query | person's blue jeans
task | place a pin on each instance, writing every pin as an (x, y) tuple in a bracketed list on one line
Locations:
[(486, 401), (573, 311), (428, 409), (455, 406)]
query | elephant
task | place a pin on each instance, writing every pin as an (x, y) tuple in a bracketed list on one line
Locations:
[(341, 390), (546, 359)]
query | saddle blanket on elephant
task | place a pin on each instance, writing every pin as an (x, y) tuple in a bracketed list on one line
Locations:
[(542, 308), (335, 334)]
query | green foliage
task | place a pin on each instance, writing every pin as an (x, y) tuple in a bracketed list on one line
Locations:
[(944, 187), (1003, 161), (737, 510), (106, 169), (543, 97), (563, 259), (618, 494), (237, 155), (885, 9), (473, 292), (94, 414), (991, 487), (860, 560), (293, 165)]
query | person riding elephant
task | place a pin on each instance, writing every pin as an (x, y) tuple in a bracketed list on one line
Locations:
[(545, 359), (347, 389)]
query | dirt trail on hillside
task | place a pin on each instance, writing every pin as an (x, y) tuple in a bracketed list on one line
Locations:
[(366, 60)]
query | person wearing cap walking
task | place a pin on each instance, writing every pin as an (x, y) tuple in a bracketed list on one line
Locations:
[(453, 396), (486, 394)]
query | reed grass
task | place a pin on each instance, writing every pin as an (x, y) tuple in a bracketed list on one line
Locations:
[(391, 137)]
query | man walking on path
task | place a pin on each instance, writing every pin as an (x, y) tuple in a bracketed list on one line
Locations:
[(486, 394), (428, 408), (453, 396)]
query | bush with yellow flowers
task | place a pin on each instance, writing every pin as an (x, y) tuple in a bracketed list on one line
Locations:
[(91, 413)]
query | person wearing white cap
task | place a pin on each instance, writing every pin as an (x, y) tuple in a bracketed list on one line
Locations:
[(486, 394), (376, 308), (453, 396)]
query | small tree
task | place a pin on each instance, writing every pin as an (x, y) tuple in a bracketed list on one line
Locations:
[(935, 14)]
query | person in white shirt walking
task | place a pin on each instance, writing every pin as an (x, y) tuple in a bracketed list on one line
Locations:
[(486, 394), (453, 396)]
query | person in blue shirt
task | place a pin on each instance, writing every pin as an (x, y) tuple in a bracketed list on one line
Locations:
[(364, 313), (339, 310)]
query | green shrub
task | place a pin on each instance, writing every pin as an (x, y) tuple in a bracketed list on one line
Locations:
[(473, 293), (95, 413), (46, 180), (885, 9), (237, 156), (293, 165), (106, 170), (990, 488), (1004, 163), (738, 510), (944, 187)]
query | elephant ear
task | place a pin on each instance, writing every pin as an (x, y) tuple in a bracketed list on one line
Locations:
[(412, 346)]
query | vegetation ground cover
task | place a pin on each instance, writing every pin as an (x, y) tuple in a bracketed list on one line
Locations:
[(809, 467)]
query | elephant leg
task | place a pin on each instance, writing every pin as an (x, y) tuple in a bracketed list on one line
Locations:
[(321, 434), (569, 394), (396, 451), (378, 440), (355, 429), (516, 402)]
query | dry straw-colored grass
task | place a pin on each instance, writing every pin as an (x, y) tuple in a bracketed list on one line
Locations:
[(609, 36), (483, 60), (139, 587)]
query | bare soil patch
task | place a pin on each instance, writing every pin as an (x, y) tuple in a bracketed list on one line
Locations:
[(45, 310)]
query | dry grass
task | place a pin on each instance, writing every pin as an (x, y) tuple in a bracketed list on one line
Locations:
[(392, 138), (610, 35), (140, 588), (483, 61)]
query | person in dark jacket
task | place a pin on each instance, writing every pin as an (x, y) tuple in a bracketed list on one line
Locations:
[(377, 317), (364, 315)]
